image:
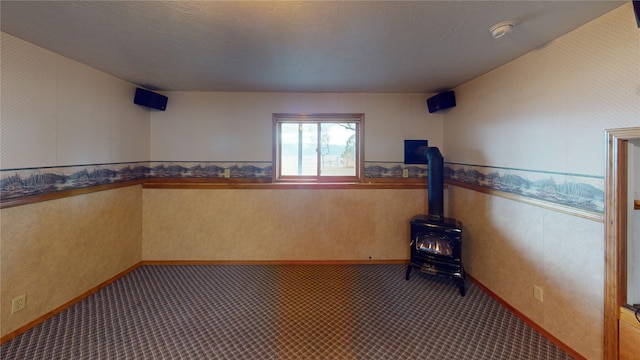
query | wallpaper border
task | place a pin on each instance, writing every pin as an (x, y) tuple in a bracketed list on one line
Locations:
[(583, 192), (210, 169), (391, 169), (26, 182)]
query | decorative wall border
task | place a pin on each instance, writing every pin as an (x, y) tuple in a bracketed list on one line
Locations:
[(584, 192), (20, 183), (210, 169), (391, 170), (263, 169), (27, 182)]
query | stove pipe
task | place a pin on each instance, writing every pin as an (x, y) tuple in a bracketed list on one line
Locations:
[(435, 183)]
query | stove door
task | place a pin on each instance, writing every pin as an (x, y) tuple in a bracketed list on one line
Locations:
[(435, 244)]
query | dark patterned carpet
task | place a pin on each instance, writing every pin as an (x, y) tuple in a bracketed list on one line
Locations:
[(282, 312)]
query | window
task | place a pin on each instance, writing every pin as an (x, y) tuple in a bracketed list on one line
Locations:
[(318, 147)]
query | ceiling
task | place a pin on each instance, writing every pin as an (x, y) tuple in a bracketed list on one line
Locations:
[(294, 46)]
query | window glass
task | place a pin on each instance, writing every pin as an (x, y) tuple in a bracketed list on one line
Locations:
[(318, 147)]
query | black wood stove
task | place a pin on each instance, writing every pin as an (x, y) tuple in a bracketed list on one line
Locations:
[(436, 241)]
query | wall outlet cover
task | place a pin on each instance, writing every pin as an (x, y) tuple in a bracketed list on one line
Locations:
[(538, 293), (18, 303)]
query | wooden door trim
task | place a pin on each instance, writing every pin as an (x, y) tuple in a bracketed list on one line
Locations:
[(615, 234)]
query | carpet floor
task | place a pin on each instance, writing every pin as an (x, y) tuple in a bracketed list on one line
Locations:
[(283, 312)]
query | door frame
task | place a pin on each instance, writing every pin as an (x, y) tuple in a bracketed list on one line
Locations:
[(616, 177)]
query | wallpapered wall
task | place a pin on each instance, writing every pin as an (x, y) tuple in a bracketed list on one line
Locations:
[(213, 126), (543, 114), (57, 112), (66, 126), (546, 112)]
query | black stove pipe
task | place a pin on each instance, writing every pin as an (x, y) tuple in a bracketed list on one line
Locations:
[(435, 183)]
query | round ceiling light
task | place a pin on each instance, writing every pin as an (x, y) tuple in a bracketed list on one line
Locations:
[(500, 29)]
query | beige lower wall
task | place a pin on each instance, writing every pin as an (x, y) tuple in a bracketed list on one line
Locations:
[(510, 246), (56, 250), (278, 224)]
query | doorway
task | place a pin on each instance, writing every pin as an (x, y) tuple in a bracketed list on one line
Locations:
[(616, 235)]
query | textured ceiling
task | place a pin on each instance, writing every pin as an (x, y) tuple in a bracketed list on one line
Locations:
[(297, 46)]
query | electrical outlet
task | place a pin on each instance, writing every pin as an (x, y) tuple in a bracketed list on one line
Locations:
[(537, 293), (405, 173), (18, 303), (227, 173)]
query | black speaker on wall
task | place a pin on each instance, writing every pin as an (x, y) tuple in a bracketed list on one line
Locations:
[(150, 99), (441, 101), (636, 10)]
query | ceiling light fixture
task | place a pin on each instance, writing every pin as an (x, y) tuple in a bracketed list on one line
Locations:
[(500, 29)]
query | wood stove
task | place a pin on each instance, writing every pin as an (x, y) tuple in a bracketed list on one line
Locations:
[(436, 248), (436, 241)]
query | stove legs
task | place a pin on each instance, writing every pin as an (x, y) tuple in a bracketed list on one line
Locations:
[(461, 286), (460, 282)]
